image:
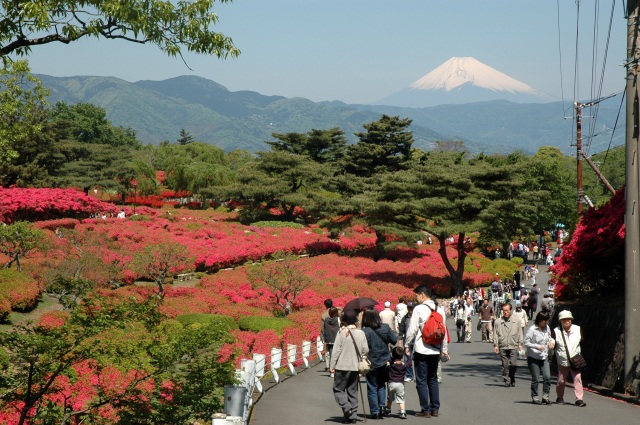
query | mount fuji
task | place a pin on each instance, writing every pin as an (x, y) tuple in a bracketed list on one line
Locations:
[(464, 80)]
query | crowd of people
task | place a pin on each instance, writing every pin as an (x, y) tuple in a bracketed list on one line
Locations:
[(393, 341)]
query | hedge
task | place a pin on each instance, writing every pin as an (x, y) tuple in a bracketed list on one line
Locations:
[(223, 322), (258, 323), (263, 224)]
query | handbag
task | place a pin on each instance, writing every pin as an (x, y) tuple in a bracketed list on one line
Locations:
[(479, 325), (460, 322), (364, 364), (576, 362)]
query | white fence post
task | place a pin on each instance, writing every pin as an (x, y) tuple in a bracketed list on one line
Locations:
[(292, 352)]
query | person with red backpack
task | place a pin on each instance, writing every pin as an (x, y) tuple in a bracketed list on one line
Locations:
[(427, 334)]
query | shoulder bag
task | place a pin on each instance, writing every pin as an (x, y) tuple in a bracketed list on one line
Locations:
[(577, 362), (364, 364)]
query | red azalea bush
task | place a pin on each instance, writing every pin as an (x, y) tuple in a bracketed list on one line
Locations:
[(30, 204), (593, 261), (53, 319), (61, 223)]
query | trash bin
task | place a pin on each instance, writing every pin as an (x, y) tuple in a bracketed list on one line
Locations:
[(234, 398)]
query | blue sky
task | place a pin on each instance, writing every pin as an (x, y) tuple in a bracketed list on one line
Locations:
[(360, 51)]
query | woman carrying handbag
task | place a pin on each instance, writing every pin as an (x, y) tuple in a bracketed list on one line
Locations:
[(379, 337), (350, 345), (568, 337)]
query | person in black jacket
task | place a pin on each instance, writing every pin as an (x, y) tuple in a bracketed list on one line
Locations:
[(330, 328), (379, 336), (402, 331)]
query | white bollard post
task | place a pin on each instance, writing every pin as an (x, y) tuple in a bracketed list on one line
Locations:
[(292, 351), (319, 348), (306, 352), (276, 362), (260, 360)]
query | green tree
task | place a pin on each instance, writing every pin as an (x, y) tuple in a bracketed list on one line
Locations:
[(385, 146), (185, 137), (22, 101), (320, 145), (18, 240), (193, 167), (278, 179), (169, 25), (88, 123), (445, 196)]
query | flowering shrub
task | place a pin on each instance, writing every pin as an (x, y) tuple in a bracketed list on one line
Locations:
[(46, 204), (20, 290), (593, 261), (61, 223)]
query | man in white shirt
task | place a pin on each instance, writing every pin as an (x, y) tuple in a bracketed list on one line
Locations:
[(425, 356), (468, 324), (388, 316)]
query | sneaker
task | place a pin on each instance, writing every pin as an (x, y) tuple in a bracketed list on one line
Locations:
[(580, 403), (536, 400), (559, 400), (545, 399), (403, 415), (387, 411), (408, 379)]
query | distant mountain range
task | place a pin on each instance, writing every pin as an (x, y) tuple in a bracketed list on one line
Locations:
[(157, 110)]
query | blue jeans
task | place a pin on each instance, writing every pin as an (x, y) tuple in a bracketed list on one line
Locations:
[(427, 381), (376, 389), (537, 368)]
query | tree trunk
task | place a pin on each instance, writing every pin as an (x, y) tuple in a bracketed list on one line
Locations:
[(455, 274), (380, 241)]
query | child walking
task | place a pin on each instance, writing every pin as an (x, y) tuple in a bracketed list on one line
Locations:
[(397, 370)]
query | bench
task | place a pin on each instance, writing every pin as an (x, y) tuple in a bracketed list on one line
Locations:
[(185, 276)]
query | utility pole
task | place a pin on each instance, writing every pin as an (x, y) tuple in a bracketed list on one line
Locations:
[(632, 195), (579, 154)]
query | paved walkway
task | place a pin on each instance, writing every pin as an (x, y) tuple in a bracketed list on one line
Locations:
[(471, 392)]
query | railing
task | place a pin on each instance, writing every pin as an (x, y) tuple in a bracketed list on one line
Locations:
[(238, 399)]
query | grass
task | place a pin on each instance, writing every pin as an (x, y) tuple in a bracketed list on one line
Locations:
[(45, 305)]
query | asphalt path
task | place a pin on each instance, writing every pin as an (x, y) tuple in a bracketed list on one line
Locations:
[(472, 391)]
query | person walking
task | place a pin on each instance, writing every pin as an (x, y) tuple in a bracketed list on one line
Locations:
[(568, 338), (521, 315), (461, 321), (402, 332), (397, 370), (379, 336), (507, 341), (329, 333), (468, 324), (485, 315), (388, 316), (344, 364), (539, 342), (425, 356)]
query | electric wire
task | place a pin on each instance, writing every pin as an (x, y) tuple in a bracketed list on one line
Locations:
[(613, 132), (564, 109), (602, 74)]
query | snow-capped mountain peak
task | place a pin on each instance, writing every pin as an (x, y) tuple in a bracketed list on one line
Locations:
[(457, 72)]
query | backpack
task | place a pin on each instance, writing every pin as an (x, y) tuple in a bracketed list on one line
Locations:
[(433, 330)]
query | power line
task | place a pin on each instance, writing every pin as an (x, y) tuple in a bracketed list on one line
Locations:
[(564, 109)]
